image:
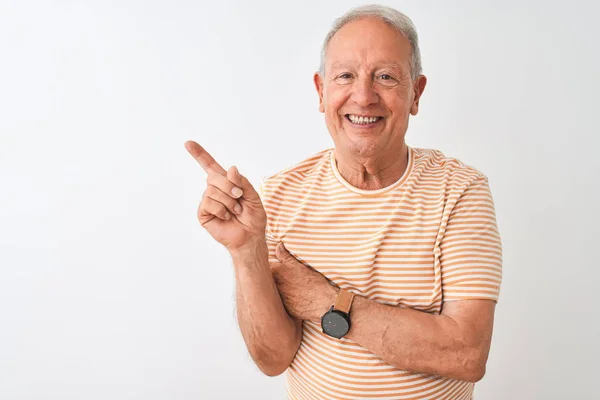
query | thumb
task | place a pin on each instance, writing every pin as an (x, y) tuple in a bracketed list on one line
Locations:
[(248, 191)]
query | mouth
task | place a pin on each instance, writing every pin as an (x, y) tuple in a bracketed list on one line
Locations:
[(363, 120)]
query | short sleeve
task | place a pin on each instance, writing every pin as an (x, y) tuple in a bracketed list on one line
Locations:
[(471, 249), (271, 240)]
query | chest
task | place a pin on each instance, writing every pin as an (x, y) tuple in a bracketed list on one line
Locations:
[(381, 250)]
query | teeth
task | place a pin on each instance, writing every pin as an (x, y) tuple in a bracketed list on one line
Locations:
[(363, 120)]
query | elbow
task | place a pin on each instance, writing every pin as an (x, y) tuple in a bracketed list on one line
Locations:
[(475, 374), (472, 357), (273, 364), (275, 359), (473, 367), (272, 370)]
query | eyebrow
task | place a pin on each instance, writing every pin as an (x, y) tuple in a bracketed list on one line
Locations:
[(342, 64), (393, 64)]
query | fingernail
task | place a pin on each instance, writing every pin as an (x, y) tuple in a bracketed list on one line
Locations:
[(227, 216), (237, 192), (237, 209)]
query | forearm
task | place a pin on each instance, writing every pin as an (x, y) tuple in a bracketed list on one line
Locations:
[(271, 335), (417, 341)]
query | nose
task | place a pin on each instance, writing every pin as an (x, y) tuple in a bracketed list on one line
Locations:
[(364, 93)]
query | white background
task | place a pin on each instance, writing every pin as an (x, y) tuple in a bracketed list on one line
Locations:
[(110, 288)]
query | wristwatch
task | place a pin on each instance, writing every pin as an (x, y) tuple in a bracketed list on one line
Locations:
[(336, 321)]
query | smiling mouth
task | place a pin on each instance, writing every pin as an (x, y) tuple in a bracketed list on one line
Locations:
[(362, 120)]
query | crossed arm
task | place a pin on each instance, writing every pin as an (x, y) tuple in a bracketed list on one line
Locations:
[(453, 344), (273, 300)]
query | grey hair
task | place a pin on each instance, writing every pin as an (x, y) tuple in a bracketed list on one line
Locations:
[(400, 22)]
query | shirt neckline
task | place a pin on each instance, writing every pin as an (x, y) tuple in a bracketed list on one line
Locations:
[(354, 189)]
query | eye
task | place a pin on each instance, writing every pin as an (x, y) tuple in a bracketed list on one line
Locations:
[(387, 79), (344, 76)]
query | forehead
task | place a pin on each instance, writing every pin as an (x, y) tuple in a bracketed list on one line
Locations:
[(368, 41)]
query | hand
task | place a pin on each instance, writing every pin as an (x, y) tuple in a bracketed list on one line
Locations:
[(306, 293), (217, 211)]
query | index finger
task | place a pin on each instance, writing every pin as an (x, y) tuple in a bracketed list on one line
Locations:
[(206, 161)]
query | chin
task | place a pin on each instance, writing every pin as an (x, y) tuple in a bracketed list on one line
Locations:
[(364, 147)]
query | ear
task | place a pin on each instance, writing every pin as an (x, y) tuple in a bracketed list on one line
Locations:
[(418, 87), (319, 86)]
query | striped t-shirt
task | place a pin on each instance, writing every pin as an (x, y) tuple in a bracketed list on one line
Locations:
[(429, 237)]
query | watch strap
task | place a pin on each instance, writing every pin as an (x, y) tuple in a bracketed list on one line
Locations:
[(343, 302)]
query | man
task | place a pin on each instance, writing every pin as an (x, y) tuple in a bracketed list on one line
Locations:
[(381, 266)]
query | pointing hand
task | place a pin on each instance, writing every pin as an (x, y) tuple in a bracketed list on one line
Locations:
[(231, 209)]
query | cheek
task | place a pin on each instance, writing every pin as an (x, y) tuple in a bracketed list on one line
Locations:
[(333, 100), (399, 104)]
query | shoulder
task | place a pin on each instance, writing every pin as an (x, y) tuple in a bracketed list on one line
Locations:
[(297, 173), (434, 166)]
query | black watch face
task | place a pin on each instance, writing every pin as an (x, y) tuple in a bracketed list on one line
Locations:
[(335, 323)]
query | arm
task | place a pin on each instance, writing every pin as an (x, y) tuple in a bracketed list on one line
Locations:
[(271, 335), (454, 344), (232, 212)]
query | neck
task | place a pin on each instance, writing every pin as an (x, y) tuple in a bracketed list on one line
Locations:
[(372, 172)]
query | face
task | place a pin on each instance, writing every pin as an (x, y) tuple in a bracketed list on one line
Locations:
[(367, 93)]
